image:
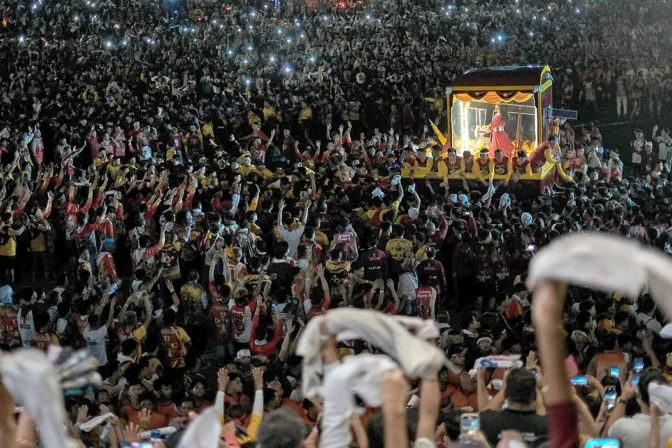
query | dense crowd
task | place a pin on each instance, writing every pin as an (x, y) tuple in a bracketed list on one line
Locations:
[(187, 186)]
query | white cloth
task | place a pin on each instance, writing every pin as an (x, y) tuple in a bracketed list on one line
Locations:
[(607, 263), (33, 382), (661, 396), (203, 431), (416, 357), (87, 426), (357, 374)]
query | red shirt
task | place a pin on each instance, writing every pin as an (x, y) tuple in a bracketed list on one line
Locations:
[(167, 410), (269, 347)]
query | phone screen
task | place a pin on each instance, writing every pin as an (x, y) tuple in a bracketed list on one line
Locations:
[(610, 397), (469, 423), (614, 371), (579, 381), (603, 443), (610, 393), (639, 365), (635, 379)]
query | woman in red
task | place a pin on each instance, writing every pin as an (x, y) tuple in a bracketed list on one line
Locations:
[(498, 137)]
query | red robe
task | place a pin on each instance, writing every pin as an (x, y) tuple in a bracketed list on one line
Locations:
[(498, 137)]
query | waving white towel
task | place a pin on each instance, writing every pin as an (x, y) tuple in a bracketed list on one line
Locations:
[(204, 431), (416, 357), (32, 380), (607, 263)]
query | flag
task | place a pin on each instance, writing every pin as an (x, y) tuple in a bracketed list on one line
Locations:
[(438, 133)]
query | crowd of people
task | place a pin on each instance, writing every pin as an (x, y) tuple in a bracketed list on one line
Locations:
[(186, 186)]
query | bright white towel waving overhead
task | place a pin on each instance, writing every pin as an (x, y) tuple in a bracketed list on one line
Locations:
[(33, 382), (402, 339), (607, 263), (203, 431)]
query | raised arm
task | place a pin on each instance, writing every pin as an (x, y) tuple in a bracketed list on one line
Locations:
[(148, 311), (281, 208), (305, 212)]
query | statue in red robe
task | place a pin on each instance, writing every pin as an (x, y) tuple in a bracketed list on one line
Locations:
[(498, 137)]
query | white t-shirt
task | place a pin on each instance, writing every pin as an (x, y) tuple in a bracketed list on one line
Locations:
[(651, 324), (663, 150), (95, 342), (634, 431), (292, 238), (26, 327)]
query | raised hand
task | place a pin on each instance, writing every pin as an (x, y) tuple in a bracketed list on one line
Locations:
[(83, 414), (131, 433), (222, 379), (145, 418), (258, 376)]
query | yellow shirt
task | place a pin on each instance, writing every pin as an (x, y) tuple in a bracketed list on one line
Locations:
[(321, 238), (99, 162), (254, 228), (306, 113), (421, 253), (269, 112), (38, 244), (398, 248), (113, 170), (9, 248), (206, 129)]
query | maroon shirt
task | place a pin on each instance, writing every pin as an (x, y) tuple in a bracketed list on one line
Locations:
[(374, 262), (431, 273)]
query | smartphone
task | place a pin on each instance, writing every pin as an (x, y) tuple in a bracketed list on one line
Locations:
[(635, 379), (639, 365), (469, 423), (531, 248), (155, 435), (136, 445), (603, 443), (610, 397), (614, 371), (579, 381)]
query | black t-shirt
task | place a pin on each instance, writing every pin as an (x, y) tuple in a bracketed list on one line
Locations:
[(533, 427)]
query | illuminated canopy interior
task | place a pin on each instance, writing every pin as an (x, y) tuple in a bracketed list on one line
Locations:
[(519, 93)]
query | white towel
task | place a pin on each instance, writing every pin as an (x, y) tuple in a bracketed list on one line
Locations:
[(661, 396), (204, 431), (416, 357), (33, 382), (87, 426), (607, 263)]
